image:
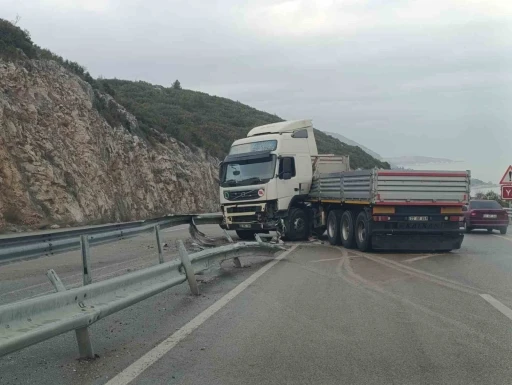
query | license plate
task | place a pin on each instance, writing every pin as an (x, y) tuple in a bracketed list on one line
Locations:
[(418, 219), (245, 226), (490, 216)]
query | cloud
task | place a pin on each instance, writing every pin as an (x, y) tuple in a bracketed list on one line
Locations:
[(404, 77)]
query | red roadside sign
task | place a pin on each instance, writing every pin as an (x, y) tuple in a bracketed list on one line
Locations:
[(507, 177), (506, 192)]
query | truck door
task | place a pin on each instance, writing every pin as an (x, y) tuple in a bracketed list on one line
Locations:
[(287, 185)]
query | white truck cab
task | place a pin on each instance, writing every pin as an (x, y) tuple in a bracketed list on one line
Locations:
[(263, 173)]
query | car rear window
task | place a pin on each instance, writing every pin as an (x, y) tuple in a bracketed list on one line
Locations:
[(492, 205)]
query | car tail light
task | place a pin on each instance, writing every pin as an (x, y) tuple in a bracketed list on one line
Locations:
[(472, 213), (456, 219), (381, 218)]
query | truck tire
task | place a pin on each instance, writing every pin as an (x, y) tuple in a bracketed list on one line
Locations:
[(503, 230), (333, 227), (467, 228), (489, 230), (297, 226), (347, 229), (362, 232), (246, 235)]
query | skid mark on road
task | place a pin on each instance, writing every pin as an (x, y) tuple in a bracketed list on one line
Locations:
[(422, 274), (503, 237), (420, 257), (368, 285), (326, 260)]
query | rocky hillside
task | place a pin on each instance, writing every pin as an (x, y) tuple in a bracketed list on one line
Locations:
[(76, 150), (60, 161)]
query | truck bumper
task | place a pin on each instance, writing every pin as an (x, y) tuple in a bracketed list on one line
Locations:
[(417, 242), (246, 216)]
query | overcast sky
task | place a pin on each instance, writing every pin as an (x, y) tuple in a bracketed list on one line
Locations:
[(427, 77)]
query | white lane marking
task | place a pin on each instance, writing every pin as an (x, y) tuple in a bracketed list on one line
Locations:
[(148, 359), (420, 257), (502, 237), (498, 305), (325, 260), (175, 229)]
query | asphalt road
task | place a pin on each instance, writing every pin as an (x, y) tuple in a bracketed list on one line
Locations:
[(320, 315)]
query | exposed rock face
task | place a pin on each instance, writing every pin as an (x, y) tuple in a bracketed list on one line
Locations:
[(60, 161)]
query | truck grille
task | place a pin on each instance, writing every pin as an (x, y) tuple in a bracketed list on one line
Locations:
[(244, 218), (241, 195), (243, 209)]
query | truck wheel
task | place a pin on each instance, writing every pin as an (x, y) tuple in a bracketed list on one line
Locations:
[(297, 228), (246, 235), (467, 228), (333, 227), (362, 232), (503, 230), (489, 231), (347, 230)]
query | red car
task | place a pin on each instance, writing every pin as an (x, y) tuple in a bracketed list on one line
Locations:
[(485, 214)]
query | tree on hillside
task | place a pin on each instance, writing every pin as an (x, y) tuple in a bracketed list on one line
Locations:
[(492, 196), (176, 85)]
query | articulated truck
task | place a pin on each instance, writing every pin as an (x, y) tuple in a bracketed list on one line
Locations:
[(275, 180)]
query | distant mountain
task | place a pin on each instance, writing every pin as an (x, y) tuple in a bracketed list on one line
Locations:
[(480, 183), (351, 142), (406, 161)]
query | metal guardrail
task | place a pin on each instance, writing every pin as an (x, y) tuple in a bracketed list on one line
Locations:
[(509, 211), (31, 321), (37, 245)]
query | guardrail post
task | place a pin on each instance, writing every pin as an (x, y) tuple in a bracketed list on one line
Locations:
[(84, 343), (237, 262), (189, 270), (228, 236), (86, 260), (55, 280), (159, 244), (82, 334)]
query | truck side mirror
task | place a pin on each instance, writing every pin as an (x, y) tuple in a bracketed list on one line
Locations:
[(221, 171), (287, 175)]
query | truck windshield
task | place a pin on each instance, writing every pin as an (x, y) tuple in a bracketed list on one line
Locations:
[(248, 172)]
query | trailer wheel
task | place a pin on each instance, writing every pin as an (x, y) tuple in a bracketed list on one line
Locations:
[(347, 229), (333, 227), (297, 228), (503, 230), (362, 232)]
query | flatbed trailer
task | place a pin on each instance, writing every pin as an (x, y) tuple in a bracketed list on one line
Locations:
[(388, 209)]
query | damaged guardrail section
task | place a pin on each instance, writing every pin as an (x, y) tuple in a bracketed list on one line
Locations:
[(37, 245), (31, 321)]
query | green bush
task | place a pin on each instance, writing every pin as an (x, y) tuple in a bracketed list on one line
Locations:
[(15, 43)]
